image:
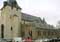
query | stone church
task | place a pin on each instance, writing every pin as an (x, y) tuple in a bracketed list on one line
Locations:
[(14, 23)]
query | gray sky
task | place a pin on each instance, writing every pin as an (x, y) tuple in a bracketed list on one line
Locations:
[(50, 9)]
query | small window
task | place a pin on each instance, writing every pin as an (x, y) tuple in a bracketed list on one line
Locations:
[(11, 28)]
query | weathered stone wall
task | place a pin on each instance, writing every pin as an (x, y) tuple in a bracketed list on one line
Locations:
[(10, 18)]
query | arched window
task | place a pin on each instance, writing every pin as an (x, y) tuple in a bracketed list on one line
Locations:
[(2, 31)]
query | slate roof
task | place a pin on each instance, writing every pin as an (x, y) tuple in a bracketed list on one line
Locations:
[(39, 22), (12, 4), (31, 18)]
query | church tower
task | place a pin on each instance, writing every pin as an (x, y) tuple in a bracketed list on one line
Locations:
[(10, 20)]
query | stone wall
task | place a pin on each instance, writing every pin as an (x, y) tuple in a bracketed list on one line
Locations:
[(11, 19)]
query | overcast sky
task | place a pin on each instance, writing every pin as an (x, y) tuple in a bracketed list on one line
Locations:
[(50, 9)]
